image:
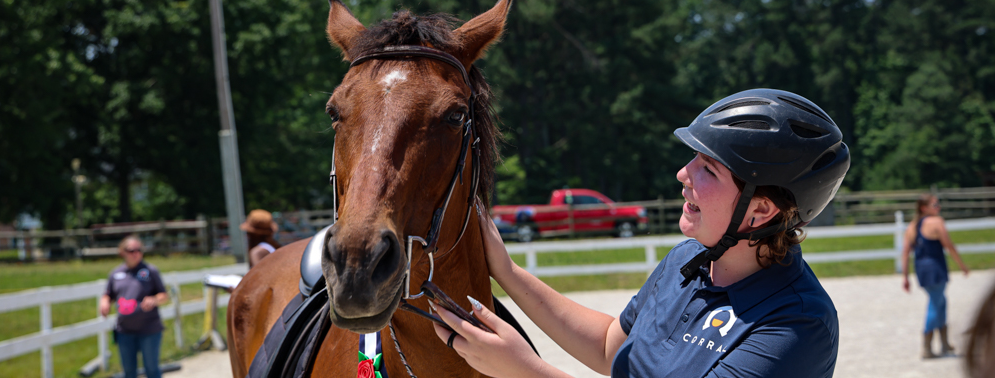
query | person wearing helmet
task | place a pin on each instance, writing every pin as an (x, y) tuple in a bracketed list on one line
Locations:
[(735, 300)]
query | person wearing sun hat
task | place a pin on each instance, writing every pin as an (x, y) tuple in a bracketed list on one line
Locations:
[(259, 227)]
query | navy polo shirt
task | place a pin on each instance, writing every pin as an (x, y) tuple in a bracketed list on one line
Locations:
[(778, 322)]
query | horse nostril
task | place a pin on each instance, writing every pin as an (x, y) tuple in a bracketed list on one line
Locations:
[(387, 257), (333, 254)]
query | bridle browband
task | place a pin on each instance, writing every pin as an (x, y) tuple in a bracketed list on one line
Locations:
[(470, 141)]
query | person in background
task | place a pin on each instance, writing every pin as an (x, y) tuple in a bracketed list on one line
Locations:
[(137, 289), (928, 235), (259, 227)]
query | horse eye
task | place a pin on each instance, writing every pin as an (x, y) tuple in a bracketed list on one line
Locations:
[(332, 113), (456, 118)]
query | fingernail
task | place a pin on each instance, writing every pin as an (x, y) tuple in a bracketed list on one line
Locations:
[(475, 303), (432, 306)]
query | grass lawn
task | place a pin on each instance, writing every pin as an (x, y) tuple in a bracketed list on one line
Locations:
[(22, 276)]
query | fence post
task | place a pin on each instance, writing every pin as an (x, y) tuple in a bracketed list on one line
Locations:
[(46, 351), (650, 258), (530, 261), (899, 239), (662, 216), (101, 341), (177, 327)]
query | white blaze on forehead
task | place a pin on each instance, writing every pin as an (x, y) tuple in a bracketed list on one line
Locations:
[(393, 78), (389, 81)]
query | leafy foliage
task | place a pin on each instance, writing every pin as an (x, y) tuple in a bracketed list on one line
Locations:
[(589, 92)]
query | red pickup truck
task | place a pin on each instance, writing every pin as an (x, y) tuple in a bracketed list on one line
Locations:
[(569, 211)]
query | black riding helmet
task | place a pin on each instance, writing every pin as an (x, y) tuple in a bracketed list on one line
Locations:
[(769, 137)]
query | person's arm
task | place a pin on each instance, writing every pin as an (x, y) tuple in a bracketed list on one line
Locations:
[(590, 336), (256, 254), (105, 305), (150, 302), (159, 295), (949, 245), (910, 239)]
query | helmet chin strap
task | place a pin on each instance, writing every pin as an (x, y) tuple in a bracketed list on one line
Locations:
[(699, 263)]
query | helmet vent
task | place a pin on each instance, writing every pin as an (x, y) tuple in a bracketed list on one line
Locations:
[(807, 131), (824, 160), (801, 106), (751, 124), (737, 104)]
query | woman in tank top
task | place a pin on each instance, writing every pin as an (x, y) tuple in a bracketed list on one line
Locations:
[(927, 235)]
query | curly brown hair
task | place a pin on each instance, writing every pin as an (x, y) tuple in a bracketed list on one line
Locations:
[(774, 248)]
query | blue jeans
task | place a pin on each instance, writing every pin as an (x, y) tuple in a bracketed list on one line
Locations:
[(129, 344), (936, 311)]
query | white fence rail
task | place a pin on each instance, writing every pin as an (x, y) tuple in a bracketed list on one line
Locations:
[(46, 296), (649, 244)]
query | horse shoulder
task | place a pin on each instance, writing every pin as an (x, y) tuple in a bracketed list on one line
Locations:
[(259, 300)]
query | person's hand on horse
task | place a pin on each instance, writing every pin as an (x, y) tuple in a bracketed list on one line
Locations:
[(498, 260), (504, 353)]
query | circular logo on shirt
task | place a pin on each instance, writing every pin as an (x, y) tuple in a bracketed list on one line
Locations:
[(143, 274), (722, 318)]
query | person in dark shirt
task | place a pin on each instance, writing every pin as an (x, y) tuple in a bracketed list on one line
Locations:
[(927, 233), (737, 300), (137, 289)]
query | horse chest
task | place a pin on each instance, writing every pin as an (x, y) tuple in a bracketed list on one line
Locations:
[(338, 356)]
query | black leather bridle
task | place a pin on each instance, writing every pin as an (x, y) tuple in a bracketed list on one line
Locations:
[(470, 141)]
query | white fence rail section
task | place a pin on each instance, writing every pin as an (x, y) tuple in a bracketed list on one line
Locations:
[(46, 296), (649, 244)]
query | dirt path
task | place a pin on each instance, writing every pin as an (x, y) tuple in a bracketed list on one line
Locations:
[(880, 328)]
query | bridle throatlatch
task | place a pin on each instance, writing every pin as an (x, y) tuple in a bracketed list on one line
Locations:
[(699, 264), (469, 141)]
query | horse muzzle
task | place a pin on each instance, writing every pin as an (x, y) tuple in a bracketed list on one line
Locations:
[(365, 277)]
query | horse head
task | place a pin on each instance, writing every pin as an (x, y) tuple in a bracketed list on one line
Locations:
[(400, 123)]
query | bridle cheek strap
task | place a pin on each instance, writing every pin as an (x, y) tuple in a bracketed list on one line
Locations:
[(469, 142)]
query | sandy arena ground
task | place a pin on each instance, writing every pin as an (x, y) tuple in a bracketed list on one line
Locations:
[(880, 328)]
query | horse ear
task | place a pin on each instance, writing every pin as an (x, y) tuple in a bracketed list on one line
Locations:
[(343, 27), (478, 33)]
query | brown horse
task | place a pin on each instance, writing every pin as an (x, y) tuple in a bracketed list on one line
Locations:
[(398, 132)]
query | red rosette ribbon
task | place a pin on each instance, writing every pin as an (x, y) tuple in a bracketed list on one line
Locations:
[(365, 369)]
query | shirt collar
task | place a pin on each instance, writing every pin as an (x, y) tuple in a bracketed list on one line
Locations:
[(750, 291)]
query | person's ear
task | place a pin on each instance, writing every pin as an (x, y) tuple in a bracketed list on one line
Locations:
[(761, 211)]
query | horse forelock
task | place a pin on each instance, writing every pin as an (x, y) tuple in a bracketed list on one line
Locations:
[(436, 31)]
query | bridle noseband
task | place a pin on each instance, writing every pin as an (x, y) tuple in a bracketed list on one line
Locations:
[(470, 141)]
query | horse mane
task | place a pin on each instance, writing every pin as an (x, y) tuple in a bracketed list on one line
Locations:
[(436, 30)]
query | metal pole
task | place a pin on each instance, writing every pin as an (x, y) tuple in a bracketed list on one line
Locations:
[(227, 137)]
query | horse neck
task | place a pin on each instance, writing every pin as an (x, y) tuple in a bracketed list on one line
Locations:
[(463, 270), (459, 273)]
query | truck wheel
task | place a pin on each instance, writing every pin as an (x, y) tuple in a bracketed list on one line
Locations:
[(625, 229), (524, 233)]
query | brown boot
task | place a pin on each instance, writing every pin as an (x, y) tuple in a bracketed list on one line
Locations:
[(927, 341), (945, 347)]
